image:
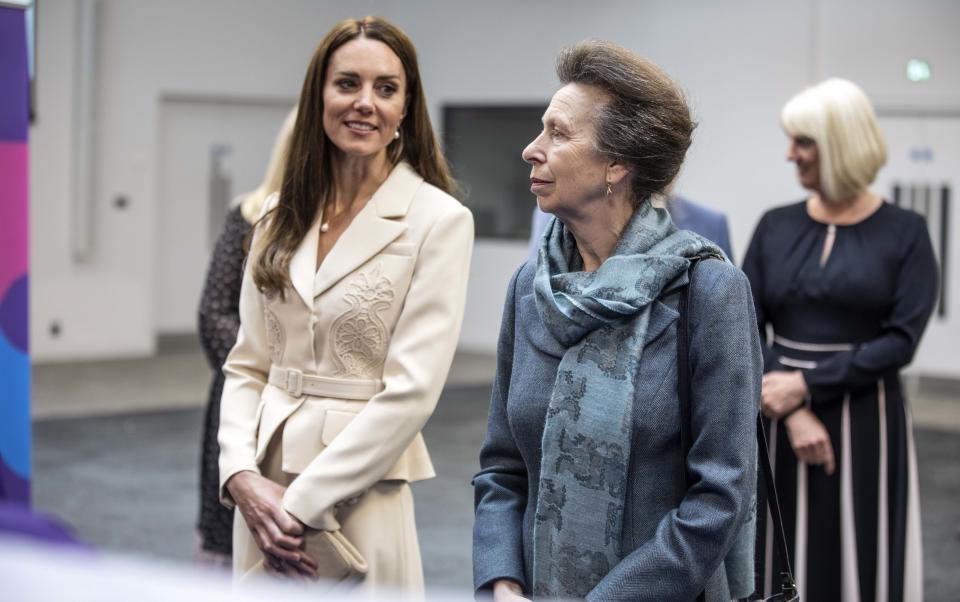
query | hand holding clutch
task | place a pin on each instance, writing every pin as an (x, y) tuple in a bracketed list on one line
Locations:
[(336, 558), (278, 534)]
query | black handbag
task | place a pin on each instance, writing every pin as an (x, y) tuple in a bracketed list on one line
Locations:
[(788, 587)]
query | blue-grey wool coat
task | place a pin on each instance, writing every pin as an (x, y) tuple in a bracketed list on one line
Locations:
[(673, 549)]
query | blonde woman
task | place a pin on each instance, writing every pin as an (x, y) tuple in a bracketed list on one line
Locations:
[(219, 320), (847, 283), (350, 310)]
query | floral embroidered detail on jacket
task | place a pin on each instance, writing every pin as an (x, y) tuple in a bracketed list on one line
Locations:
[(359, 336), (275, 336)]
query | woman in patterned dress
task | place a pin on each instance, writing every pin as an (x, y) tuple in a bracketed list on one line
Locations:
[(847, 283), (219, 320), (350, 309)]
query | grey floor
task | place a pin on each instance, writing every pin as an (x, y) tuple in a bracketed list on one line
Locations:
[(128, 483)]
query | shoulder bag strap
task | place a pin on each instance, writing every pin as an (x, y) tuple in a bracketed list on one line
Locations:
[(683, 383), (788, 586)]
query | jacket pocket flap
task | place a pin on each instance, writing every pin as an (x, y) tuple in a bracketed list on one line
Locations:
[(334, 422)]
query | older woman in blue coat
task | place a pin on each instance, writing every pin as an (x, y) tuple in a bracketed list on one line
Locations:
[(585, 490)]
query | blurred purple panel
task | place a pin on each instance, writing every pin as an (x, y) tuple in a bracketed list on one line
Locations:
[(14, 77), (13, 314), (13, 487), (16, 519), (14, 228), (14, 224)]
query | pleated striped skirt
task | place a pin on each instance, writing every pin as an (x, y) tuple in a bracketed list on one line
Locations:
[(854, 536)]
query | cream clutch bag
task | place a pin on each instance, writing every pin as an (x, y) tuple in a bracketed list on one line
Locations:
[(337, 558)]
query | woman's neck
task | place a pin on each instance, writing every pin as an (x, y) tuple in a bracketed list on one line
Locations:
[(357, 178), (851, 210), (597, 230)]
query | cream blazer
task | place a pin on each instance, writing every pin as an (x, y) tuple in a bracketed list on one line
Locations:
[(378, 324)]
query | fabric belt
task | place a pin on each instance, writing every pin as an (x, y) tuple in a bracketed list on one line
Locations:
[(296, 383), (795, 363), (785, 342)]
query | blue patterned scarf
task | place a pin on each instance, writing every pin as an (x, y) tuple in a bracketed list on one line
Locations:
[(601, 317)]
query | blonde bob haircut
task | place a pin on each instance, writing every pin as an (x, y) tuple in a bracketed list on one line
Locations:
[(838, 116), (252, 202)]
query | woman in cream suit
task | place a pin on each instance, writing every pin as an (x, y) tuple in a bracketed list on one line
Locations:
[(350, 309)]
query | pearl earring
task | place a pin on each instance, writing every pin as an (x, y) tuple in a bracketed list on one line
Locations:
[(396, 134)]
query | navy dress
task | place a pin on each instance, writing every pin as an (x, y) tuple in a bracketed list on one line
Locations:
[(847, 306)]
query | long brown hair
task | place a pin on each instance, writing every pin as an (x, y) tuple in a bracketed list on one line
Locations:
[(308, 179)]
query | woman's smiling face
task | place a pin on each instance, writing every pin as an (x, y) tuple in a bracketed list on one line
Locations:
[(567, 170), (803, 152), (364, 97)]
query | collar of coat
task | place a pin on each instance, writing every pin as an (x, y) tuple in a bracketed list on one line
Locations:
[(376, 225)]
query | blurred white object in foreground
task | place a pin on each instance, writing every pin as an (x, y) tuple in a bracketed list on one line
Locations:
[(36, 572)]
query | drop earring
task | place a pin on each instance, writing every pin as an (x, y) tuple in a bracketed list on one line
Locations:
[(609, 189), (396, 134)]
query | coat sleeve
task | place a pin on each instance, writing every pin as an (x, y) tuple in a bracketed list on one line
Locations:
[(913, 302), (754, 269), (691, 540), (500, 488), (723, 237), (245, 375), (415, 369)]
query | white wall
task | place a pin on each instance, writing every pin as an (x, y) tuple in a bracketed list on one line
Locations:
[(925, 155), (871, 42), (189, 217), (739, 61)]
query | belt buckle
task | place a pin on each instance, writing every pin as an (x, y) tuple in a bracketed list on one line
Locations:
[(294, 382)]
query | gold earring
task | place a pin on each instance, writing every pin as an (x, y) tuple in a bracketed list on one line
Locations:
[(609, 189)]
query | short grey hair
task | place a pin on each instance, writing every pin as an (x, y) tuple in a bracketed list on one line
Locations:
[(646, 123)]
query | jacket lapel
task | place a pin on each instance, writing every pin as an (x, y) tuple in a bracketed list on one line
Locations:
[(663, 312), (303, 264), (536, 332), (376, 226)]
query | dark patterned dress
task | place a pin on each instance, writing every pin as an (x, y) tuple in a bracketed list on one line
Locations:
[(847, 305), (219, 323)]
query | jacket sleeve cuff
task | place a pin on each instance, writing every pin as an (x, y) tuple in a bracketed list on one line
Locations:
[(484, 585), (307, 512), (225, 498)]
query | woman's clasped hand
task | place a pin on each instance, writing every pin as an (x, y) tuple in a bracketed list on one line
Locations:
[(782, 392), (278, 534)]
